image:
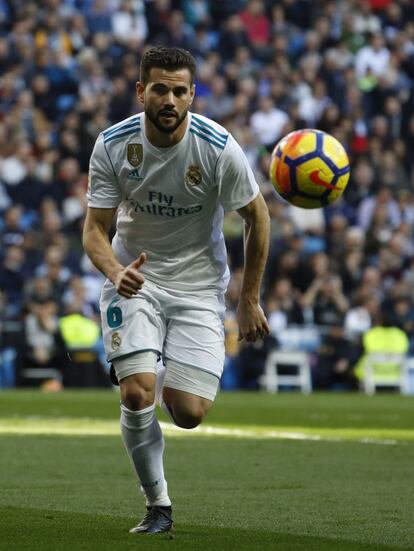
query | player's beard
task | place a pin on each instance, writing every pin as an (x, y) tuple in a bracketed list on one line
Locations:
[(155, 119)]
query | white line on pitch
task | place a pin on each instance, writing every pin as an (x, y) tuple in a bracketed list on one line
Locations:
[(100, 427)]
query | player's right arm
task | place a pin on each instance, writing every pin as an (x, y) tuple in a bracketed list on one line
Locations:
[(104, 196), (128, 280)]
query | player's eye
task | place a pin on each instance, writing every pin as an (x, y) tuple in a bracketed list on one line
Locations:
[(181, 91), (160, 89)]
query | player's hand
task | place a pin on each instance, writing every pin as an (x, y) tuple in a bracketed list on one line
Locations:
[(252, 322), (130, 280)]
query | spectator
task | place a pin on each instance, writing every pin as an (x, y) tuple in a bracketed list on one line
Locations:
[(129, 23), (312, 106), (268, 123), (180, 34), (54, 269), (13, 227), (380, 209), (219, 104), (99, 17), (351, 271), (283, 307), (41, 347), (75, 293), (92, 281), (158, 14), (13, 168), (383, 338), (371, 283), (364, 21), (401, 315), (336, 360), (362, 316), (362, 180), (335, 240), (80, 338), (12, 278), (120, 106), (372, 59), (39, 290), (326, 300), (196, 12), (392, 174), (311, 222), (232, 37), (256, 24)]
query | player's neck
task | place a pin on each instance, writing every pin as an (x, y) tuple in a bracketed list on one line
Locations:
[(161, 139)]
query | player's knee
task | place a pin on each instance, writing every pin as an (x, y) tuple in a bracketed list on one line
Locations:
[(187, 410), (137, 400), (136, 395), (136, 375), (188, 418), (186, 421)]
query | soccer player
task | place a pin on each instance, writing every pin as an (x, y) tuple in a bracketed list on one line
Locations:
[(169, 175)]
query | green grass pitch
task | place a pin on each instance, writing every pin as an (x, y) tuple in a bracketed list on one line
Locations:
[(325, 472)]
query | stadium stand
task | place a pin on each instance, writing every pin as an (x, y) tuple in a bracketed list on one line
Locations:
[(67, 71)]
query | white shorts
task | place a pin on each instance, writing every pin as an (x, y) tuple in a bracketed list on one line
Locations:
[(177, 376), (179, 326)]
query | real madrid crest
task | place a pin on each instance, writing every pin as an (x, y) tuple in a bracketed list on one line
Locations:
[(116, 340), (134, 153), (193, 175)]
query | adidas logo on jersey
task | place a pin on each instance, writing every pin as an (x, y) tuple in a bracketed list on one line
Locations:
[(134, 175)]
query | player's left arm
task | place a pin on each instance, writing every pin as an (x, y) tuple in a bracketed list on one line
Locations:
[(250, 316)]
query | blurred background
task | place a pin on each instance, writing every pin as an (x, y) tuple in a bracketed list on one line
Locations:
[(338, 289)]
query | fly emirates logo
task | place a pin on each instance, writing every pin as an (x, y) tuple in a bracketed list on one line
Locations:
[(160, 204)]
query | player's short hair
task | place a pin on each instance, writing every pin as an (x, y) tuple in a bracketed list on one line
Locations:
[(170, 59)]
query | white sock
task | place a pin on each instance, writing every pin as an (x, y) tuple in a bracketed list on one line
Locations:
[(144, 443), (159, 385)]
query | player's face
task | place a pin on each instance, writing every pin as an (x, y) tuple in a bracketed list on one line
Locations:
[(167, 97)]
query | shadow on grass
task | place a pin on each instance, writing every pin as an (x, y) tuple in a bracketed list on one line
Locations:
[(24, 528)]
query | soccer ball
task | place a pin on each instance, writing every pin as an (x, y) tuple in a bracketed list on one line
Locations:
[(309, 168)]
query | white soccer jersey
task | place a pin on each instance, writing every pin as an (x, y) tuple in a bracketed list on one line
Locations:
[(171, 200)]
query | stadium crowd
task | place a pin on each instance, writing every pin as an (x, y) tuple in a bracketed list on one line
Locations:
[(68, 70)]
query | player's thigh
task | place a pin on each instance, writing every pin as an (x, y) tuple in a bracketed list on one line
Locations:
[(195, 335), (188, 393), (131, 325), (190, 385)]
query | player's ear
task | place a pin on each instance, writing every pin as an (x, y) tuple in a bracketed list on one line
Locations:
[(140, 88), (192, 93)]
